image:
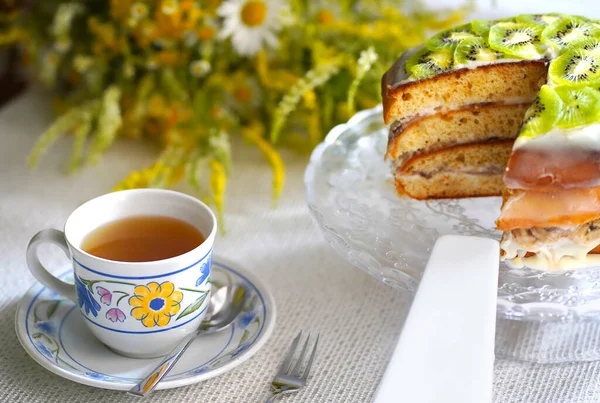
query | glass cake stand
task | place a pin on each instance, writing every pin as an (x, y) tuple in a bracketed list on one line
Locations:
[(543, 317), (351, 196)]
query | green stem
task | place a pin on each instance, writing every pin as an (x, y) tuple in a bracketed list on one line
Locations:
[(120, 298), (191, 289), (92, 282)]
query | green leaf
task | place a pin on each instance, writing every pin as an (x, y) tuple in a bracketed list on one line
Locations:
[(244, 337), (52, 308), (193, 307)]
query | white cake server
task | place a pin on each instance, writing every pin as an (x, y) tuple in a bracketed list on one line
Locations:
[(445, 352)]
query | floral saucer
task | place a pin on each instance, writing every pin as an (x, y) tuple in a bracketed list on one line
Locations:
[(53, 333)]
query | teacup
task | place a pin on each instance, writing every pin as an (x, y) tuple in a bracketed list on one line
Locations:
[(116, 298)]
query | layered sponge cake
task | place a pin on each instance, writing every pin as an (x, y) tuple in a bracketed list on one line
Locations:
[(507, 107)]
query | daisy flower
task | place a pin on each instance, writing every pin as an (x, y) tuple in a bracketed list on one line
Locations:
[(251, 24), (199, 68)]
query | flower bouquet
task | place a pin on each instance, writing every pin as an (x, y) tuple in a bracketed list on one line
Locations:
[(188, 74)]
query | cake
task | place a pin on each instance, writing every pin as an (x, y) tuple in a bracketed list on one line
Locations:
[(506, 108)]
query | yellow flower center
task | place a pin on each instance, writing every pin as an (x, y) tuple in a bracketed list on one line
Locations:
[(325, 17), (243, 94), (254, 13)]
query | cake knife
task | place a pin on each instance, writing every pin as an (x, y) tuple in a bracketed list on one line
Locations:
[(445, 352)]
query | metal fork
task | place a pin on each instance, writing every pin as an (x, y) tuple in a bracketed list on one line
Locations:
[(291, 377)]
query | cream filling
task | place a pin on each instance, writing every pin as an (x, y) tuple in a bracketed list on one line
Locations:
[(563, 254), (585, 137)]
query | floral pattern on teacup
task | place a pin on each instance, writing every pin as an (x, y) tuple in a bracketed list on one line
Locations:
[(151, 305), (115, 315), (86, 298), (154, 304), (204, 271), (105, 295)]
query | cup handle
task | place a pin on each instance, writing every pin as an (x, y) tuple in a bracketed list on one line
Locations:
[(40, 272)]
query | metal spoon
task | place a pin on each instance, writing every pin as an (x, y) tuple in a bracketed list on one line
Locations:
[(224, 306)]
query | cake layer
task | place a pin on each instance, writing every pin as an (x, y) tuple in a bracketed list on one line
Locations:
[(523, 209), (515, 82), (559, 159), (470, 124), (468, 170), (552, 247)]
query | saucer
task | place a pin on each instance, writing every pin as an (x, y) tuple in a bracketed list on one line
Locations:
[(54, 334)]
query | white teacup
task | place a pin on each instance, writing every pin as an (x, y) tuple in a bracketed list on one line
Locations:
[(139, 309)]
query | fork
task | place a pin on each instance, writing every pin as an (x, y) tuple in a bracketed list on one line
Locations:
[(291, 377)]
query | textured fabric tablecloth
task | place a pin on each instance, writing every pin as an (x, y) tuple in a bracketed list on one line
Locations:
[(314, 289)]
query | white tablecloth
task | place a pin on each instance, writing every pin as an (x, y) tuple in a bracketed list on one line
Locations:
[(314, 289)]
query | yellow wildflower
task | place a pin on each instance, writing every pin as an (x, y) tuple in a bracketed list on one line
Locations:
[(254, 133), (156, 106), (119, 9), (218, 183), (145, 32), (243, 94), (325, 17), (178, 19), (142, 178), (168, 58), (274, 79), (206, 33), (105, 34)]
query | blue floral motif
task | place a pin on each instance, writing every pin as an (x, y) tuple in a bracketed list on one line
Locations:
[(202, 370), (95, 375), (45, 327), (44, 350), (246, 318), (204, 271), (86, 298), (240, 350)]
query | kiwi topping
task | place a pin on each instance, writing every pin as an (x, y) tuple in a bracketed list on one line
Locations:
[(575, 67), (542, 114), (571, 96), (450, 38), (566, 31), (517, 39), (580, 106), (482, 27), (426, 63), (542, 19), (475, 50)]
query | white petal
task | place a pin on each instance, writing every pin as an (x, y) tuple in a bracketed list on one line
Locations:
[(270, 39), (229, 7)]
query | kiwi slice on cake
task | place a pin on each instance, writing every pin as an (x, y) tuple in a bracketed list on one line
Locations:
[(580, 106), (588, 45), (569, 30), (426, 63), (517, 39), (542, 114), (451, 37), (482, 27), (475, 50), (575, 67), (541, 19)]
